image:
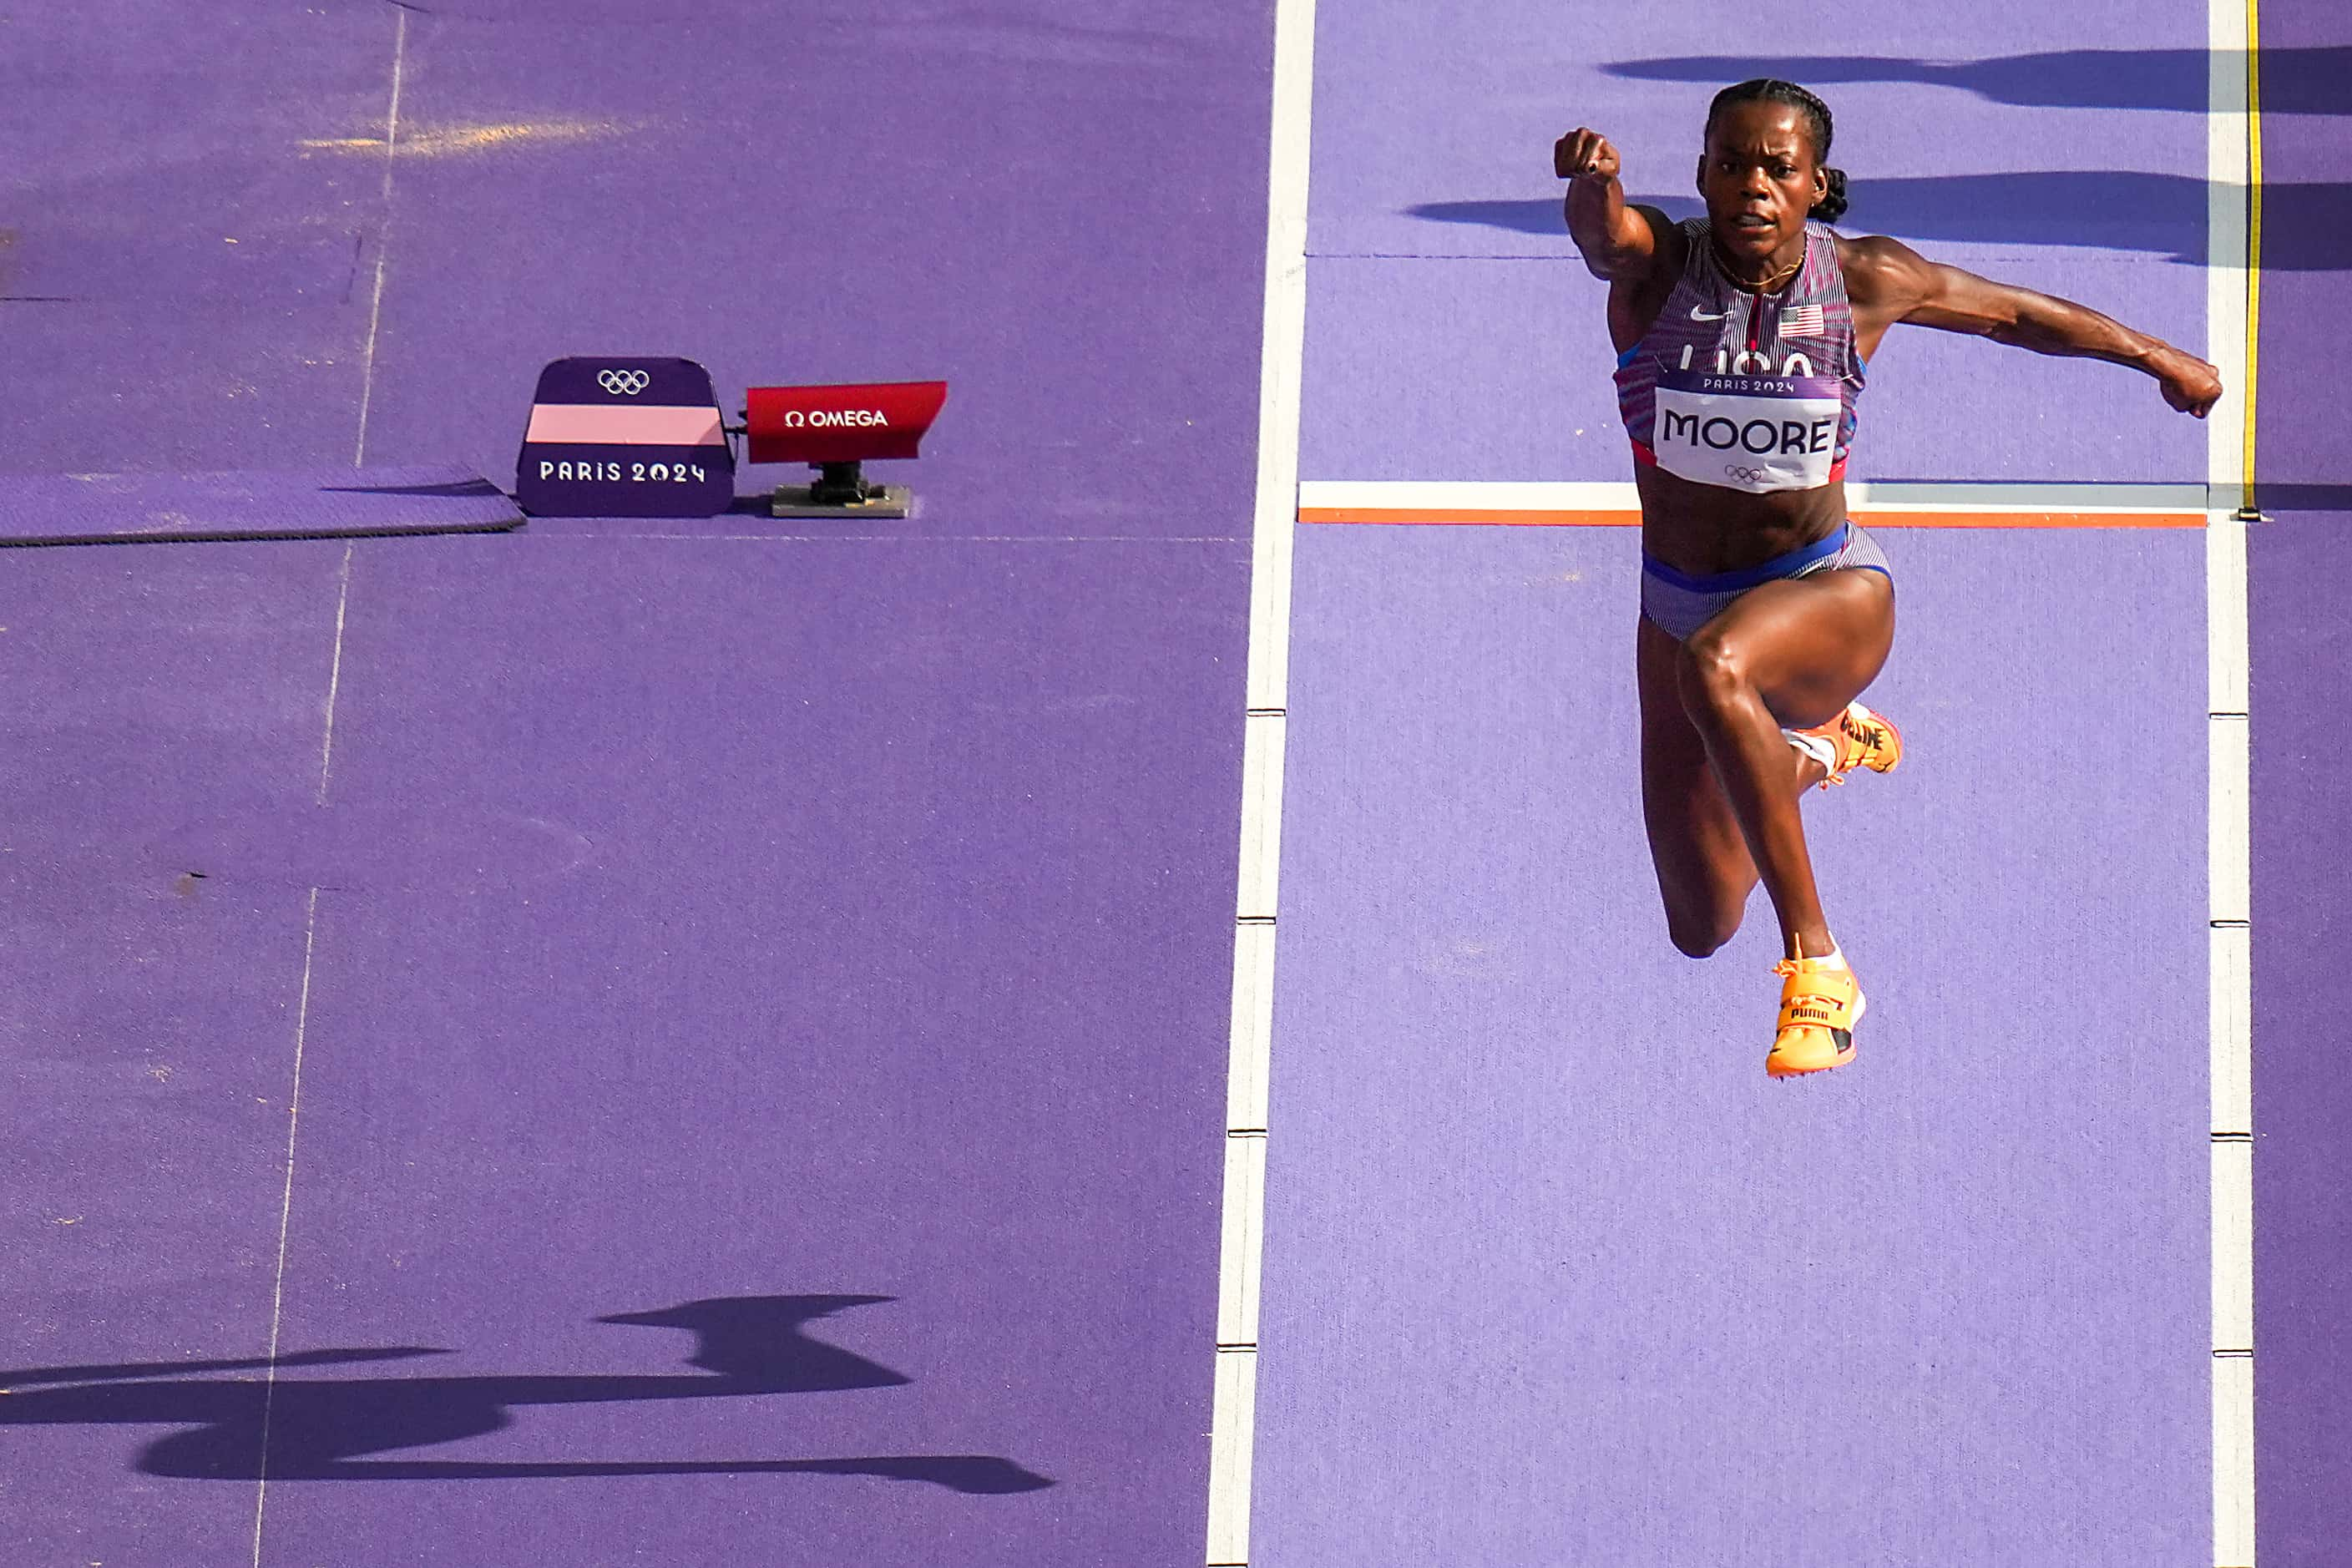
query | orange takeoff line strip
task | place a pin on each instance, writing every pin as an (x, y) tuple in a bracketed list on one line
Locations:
[(1869, 519)]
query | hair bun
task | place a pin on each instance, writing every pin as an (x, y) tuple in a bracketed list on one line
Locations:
[(1831, 207)]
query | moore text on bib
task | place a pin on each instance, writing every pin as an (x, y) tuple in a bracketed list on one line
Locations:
[(1748, 432)]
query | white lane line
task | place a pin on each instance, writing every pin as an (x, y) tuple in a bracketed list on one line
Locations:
[(1619, 495), (1252, 1034), (1232, 1424), (2232, 128), (599, 537), (383, 235), (1282, 356), (1261, 857), (285, 1223), (335, 674)]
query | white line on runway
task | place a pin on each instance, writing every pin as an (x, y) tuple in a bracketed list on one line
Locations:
[(335, 674), (2230, 279), (383, 235), (285, 1222), (1233, 1421)]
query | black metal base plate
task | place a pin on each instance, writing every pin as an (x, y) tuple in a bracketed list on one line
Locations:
[(890, 501)]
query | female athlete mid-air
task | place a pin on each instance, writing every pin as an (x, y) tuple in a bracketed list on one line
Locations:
[(1741, 341)]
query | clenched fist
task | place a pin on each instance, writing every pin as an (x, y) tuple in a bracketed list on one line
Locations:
[(1584, 155), (2189, 383)]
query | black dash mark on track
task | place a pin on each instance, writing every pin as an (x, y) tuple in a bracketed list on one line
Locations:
[(40, 298)]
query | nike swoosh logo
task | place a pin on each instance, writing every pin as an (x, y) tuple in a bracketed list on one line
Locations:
[(1699, 315)]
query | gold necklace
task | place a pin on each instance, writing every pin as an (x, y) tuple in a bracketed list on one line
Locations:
[(1769, 285)]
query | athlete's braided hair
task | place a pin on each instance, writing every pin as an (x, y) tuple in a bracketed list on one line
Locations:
[(1767, 89)]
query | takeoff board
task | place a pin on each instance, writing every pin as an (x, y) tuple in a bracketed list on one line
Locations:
[(625, 438)]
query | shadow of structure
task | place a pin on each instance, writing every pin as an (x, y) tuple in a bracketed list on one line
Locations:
[(2295, 81), (238, 1429), (2285, 499), (2305, 227)]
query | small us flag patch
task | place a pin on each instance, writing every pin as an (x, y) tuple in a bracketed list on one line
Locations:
[(1805, 320)]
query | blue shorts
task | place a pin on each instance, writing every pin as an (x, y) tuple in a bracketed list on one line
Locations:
[(1679, 604)]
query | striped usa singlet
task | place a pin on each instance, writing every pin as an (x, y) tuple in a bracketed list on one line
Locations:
[(1746, 392)]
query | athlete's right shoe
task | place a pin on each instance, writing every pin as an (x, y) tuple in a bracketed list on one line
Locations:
[(1862, 740)]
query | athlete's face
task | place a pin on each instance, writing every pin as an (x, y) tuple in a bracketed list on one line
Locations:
[(1759, 177)]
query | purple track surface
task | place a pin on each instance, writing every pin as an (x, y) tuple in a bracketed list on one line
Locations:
[(2302, 804), (1647, 1306), (760, 1001), (1452, 334), (1644, 1306)]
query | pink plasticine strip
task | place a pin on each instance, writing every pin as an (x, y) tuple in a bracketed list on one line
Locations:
[(617, 425)]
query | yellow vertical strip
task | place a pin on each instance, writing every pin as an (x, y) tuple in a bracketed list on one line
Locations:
[(2253, 236)]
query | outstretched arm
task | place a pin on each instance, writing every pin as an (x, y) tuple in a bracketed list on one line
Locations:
[(1890, 282), (1619, 241)]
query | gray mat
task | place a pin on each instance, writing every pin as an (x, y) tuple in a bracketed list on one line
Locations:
[(115, 508)]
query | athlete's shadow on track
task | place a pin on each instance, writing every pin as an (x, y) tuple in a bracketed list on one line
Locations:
[(2295, 81), (2305, 227), (318, 1428)]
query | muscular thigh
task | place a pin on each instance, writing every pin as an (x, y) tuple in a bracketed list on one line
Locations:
[(1703, 865), (1808, 644)]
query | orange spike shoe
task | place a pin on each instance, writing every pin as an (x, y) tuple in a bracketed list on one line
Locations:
[(1863, 739), (1820, 1006)]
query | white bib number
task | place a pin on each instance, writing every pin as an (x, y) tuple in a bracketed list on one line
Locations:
[(1749, 432)]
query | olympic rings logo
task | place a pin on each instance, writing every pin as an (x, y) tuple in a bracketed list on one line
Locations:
[(623, 382), (1744, 474)]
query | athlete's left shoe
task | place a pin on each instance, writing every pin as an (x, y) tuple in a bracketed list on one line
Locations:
[(1862, 738), (1820, 1004)]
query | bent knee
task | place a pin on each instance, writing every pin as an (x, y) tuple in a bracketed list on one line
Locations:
[(1713, 667), (1700, 934)]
